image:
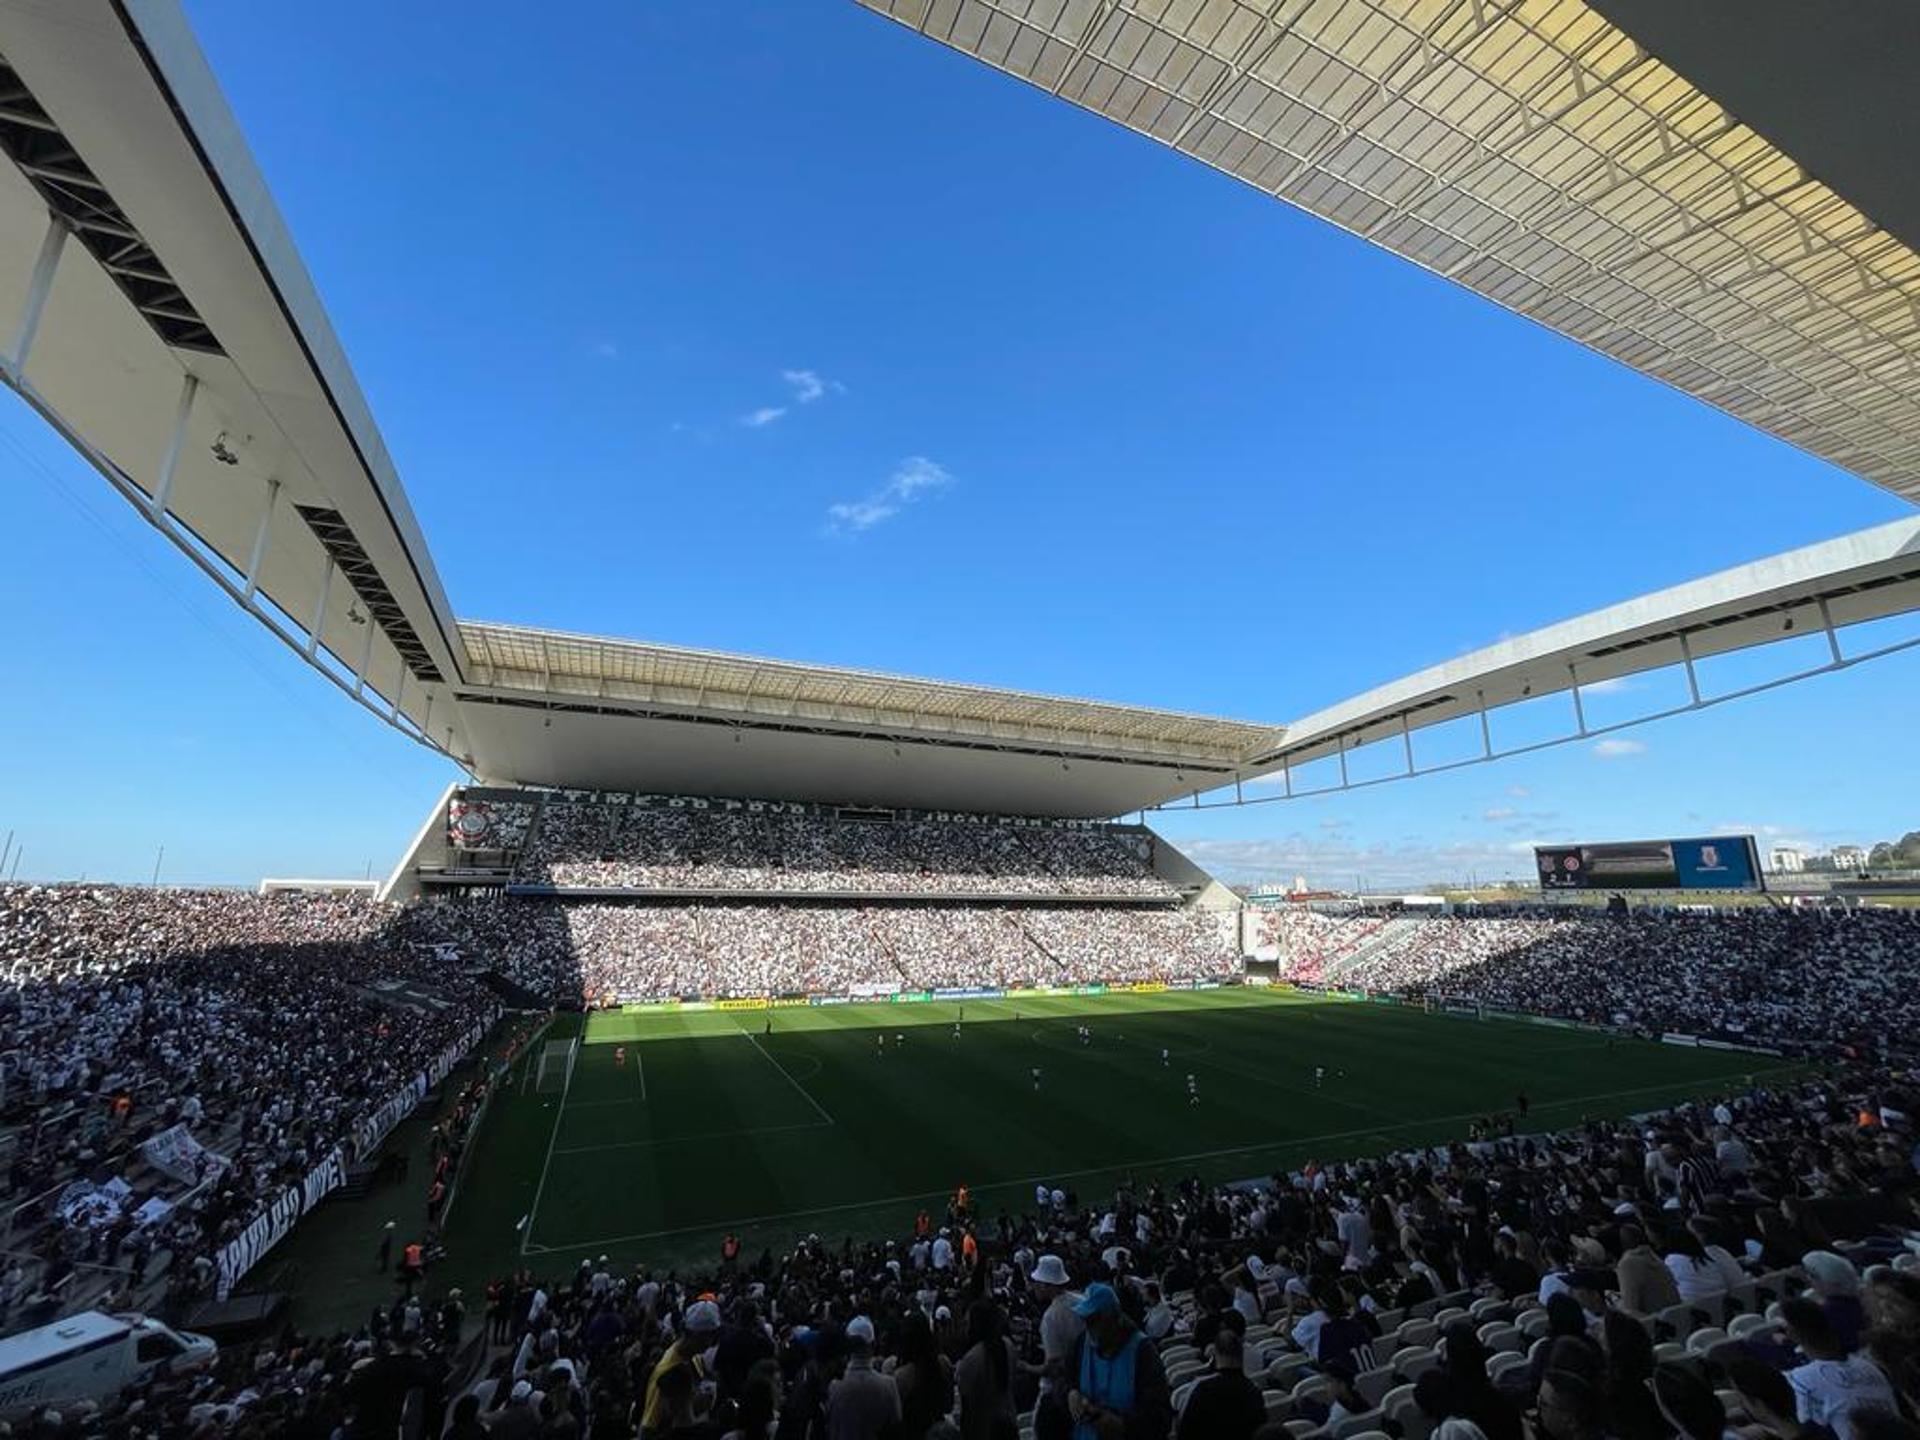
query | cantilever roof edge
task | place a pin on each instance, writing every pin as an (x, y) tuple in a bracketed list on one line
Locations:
[(180, 67), (570, 666), (1868, 575)]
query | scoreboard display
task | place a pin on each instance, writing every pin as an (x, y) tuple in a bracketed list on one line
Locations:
[(1717, 862)]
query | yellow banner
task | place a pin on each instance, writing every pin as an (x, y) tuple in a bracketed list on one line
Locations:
[(756, 1003)]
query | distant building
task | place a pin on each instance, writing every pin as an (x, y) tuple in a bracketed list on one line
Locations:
[(1787, 860), (1849, 857)]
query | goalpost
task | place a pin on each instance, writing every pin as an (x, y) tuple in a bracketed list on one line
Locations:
[(556, 1065)]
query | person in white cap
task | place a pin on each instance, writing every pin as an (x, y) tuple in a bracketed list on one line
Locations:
[(699, 1328), (519, 1418), (862, 1403), (1060, 1328)]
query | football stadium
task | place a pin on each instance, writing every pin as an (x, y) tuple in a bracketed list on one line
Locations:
[(745, 1047)]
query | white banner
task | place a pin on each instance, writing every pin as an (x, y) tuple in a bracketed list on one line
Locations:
[(176, 1153), (91, 1206), (271, 1225)]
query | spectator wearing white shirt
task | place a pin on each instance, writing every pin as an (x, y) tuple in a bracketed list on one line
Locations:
[(1833, 1386), (1356, 1233)]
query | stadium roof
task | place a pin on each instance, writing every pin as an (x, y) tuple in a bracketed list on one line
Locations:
[(555, 709), (1811, 592), (153, 308), (1536, 153)]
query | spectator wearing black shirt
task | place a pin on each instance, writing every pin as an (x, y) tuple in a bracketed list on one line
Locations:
[(1226, 1405)]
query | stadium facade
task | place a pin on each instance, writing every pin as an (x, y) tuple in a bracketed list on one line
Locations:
[(154, 309)]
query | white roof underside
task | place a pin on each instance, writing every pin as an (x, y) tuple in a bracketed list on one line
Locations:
[(123, 124), (1860, 577), (1527, 150), (1533, 152), (577, 710)]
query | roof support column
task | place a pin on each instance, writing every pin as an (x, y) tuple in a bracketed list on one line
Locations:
[(400, 691), (1579, 708), (1486, 727), (1833, 640), (366, 657), (320, 610), (163, 488), (260, 535), (1406, 741), (1686, 658), (38, 288)]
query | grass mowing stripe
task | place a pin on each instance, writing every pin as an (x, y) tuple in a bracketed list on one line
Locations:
[(754, 1041), (553, 1137), (931, 1109), (1127, 1165), (697, 1135)]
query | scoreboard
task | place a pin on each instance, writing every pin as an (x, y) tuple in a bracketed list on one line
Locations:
[(1716, 862)]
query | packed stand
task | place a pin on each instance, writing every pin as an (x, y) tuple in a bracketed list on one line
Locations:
[(1742, 1268), (251, 1022), (585, 844), (580, 951), (1829, 981)]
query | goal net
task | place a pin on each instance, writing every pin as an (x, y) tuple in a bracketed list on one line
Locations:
[(556, 1065)]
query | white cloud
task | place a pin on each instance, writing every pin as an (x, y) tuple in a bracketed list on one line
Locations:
[(606, 350), (1619, 749), (1617, 685), (1498, 812), (807, 386), (810, 385), (1518, 792), (912, 478)]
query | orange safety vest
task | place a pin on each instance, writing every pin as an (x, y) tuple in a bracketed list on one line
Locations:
[(969, 1247), (412, 1255)]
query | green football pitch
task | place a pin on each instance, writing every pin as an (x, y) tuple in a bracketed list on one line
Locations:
[(711, 1121)]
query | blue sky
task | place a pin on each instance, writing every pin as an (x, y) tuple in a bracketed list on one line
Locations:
[(774, 328)]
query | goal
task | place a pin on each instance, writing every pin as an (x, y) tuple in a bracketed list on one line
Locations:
[(556, 1065)]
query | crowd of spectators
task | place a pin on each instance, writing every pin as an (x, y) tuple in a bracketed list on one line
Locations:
[(269, 1027), (1740, 1267), (573, 951), (584, 844), (1831, 979)]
